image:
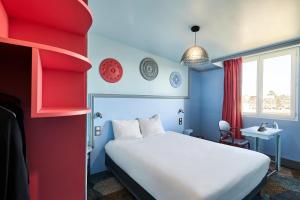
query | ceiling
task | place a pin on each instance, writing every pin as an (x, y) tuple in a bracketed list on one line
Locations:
[(162, 27)]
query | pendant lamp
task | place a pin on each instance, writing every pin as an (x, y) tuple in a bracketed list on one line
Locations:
[(195, 55)]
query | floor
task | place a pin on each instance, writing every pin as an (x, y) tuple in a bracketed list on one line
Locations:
[(103, 186), (282, 186)]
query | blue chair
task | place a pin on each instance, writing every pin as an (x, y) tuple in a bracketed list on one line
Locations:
[(226, 136)]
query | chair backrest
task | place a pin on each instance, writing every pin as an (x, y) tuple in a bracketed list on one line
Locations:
[(225, 131), (224, 126)]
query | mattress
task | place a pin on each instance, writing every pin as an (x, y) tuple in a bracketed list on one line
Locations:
[(174, 166)]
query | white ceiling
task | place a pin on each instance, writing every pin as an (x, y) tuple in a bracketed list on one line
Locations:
[(162, 27)]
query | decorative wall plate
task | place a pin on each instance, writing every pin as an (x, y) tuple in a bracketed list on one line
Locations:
[(110, 70), (175, 79), (148, 69)]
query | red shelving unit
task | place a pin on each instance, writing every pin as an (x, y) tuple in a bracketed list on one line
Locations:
[(58, 74), (43, 46)]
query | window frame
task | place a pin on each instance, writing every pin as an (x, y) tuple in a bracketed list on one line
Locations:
[(294, 52)]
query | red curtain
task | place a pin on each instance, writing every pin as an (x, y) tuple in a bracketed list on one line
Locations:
[(232, 95)]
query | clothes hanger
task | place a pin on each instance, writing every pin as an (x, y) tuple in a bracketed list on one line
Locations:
[(5, 98), (10, 103), (11, 112)]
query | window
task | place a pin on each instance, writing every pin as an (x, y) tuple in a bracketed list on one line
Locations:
[(269, 84)]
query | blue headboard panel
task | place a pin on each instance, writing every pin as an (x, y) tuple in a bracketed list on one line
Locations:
[(128, 108)]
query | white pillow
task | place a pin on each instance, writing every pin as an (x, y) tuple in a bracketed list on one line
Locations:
[(126, 129), (151, 126)]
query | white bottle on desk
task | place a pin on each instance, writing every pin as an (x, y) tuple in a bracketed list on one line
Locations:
[(275, 125)]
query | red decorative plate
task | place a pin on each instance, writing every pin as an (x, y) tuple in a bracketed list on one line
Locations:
[(111, 70)]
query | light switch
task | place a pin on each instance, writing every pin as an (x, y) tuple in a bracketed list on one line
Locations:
[(98, 130)]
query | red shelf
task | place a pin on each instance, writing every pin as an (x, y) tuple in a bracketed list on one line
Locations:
[(55, 60), (60, 112), (53, 13), (54, 57)]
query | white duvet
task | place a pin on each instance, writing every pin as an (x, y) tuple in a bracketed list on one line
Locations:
[(173, 166)]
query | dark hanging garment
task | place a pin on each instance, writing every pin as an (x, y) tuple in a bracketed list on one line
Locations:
[(13, 104), (13, 168)]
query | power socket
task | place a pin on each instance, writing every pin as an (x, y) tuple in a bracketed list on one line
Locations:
[(98, 130)]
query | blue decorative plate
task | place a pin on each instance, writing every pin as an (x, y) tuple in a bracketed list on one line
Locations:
[(175, 79)]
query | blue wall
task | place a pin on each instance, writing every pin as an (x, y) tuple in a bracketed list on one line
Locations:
[(131, 108), (192, 105), (211, 100), (210, 85)]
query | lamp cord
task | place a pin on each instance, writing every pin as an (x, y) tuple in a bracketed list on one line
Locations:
[(195, 39)]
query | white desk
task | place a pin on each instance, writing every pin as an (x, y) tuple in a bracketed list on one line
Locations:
[(266, 135)]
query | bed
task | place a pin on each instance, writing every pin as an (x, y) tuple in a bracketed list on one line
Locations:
[(179, 167)]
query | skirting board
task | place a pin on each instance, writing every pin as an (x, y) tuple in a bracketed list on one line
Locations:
[(288, 163)]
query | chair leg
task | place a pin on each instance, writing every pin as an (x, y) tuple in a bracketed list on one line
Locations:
[(248, 145)]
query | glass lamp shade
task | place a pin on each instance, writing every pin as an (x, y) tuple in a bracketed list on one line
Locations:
[(194, 56)]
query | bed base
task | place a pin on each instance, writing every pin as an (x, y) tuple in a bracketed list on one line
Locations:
[(141, 194)]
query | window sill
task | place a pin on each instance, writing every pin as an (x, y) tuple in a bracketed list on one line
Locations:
[(271, 117)]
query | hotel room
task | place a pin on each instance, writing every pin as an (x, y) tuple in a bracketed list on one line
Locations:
[(166, 100)]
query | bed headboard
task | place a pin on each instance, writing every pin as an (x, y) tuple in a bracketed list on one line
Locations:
[(127, 107)]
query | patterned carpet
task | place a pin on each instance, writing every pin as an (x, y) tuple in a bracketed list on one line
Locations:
[(103, 186), (282, 186)]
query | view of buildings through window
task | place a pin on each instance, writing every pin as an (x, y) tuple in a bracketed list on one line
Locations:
[(268, 84), (249, 86), (277, 85)]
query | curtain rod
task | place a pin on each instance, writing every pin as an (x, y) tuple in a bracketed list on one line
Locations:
[(275, 46)]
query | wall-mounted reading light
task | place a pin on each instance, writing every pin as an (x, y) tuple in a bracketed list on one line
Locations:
[(98, 115), (180, 111)]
